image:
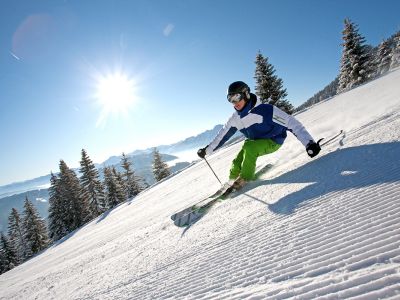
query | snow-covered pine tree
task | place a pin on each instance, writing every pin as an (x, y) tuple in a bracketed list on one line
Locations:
[(16, 235), (8, 254), (286, 106), (77, 208), (395, 61), (92, 188), (133, 183), (160, 168), (371, 53), (345, 70), (269, 88), (264, 75), (35, 231), (355, 66), (58, 219), (119, 179), (3, 261), (384, 57), (114, 191)]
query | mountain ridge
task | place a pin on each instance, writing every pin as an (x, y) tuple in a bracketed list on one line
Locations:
[(189, 143)]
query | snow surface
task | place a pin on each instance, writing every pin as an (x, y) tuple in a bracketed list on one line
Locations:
[(323, 228)]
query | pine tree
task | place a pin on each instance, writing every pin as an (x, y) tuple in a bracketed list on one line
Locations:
[(264, 76), (8, 254), (133, 183), (16, 235), (384, 57), (119, 180), (114, 191), (92, 188), (395, 61), (371, 53), (160, 168), (3, 260), (58, 221), (269, 88), (35, 231), (286, 106), (355, 66), (77, 208)]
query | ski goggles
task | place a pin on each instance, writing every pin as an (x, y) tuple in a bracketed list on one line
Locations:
[(235, 98)]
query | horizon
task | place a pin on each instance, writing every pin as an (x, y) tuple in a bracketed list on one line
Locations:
[(66, 65), (180, 156)]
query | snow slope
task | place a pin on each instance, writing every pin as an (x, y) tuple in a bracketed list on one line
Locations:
[(323, 228)]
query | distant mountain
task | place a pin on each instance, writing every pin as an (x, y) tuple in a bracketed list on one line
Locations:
[(13, 195), (194, 142), (142, 164), (24, 186), (38, 197), (139, 162)]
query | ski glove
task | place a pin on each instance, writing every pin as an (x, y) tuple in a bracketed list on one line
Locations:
[(201, 152), (313, 148)]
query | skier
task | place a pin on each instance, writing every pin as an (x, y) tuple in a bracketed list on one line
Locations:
[(264, 127)]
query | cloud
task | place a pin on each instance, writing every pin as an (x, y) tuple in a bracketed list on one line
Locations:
[(168, 29)]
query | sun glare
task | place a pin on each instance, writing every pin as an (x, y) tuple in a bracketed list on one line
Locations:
[(115, 93)]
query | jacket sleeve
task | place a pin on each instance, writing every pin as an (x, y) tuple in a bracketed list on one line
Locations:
[(292, 124), (223, 135)]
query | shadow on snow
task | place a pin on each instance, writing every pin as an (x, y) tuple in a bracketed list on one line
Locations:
[(344, 169)]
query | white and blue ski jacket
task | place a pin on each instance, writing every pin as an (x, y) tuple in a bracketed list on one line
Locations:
[(260, 121)]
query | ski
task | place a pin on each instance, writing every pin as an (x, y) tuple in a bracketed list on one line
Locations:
[(194, 207), (193, 213), (332, 138)]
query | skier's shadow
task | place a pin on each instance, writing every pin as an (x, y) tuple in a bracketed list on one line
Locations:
[(344, 169)]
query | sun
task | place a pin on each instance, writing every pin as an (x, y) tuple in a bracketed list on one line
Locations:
[(115, 93)]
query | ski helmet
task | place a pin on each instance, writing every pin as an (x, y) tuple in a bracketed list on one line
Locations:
[(239, 87)]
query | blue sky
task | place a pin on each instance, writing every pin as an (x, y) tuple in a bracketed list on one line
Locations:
[(175, 58)]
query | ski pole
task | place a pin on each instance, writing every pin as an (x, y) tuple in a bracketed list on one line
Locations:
[(212, 170)]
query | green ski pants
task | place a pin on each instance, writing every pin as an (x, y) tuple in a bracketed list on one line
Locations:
[(244, 165)]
